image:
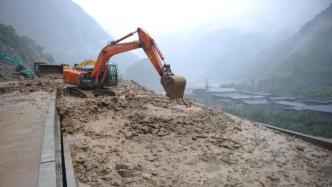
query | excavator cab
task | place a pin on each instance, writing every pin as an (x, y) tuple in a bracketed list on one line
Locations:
[(112, 79)]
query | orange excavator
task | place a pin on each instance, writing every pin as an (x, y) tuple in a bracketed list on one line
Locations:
[(96, 78)]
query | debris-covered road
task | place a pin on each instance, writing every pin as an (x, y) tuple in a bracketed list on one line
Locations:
[(23, 112), (139, 138)]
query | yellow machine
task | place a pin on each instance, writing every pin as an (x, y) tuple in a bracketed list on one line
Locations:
[(86, 63)]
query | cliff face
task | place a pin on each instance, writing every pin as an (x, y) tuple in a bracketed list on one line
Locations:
[(61, 26)]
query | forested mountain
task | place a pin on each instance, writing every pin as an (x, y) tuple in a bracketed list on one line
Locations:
[(61, 26), (15, 48), (244, 47), (299, 66), (21, 47)]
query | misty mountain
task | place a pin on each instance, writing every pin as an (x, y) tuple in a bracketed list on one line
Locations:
[(18, 47), (22, 47), (239, 50), (216, 55), (61, 26), (144, 73), (300, 65)]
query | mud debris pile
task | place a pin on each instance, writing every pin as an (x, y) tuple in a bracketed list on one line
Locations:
[(32, 85), (140, 138)]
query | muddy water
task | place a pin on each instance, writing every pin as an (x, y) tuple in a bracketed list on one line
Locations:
[(22, 119)]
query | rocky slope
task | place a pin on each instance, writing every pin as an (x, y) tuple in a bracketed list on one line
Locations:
[(140, 138)]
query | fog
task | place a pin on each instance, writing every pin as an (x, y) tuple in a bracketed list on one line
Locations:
[(209, 39), (173, 16)]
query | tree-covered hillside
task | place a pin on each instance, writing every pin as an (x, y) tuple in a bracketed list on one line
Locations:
[(22, 47), (299, 66), (61, 26)]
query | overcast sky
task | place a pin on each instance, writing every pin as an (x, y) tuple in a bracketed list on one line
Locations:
[(159, 17)]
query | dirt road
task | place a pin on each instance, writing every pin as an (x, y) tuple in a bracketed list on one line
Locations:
[(22, 119), (23, 109), (140, 138)]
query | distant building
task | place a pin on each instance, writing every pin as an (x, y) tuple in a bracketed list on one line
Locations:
[(226, 97)]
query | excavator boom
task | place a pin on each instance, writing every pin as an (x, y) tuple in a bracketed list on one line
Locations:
[(173, 85)]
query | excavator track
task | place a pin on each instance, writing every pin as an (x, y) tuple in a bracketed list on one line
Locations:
[(77, 92), (103, 91), (74, 91)]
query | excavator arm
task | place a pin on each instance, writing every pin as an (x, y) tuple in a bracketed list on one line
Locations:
[(113, 48)]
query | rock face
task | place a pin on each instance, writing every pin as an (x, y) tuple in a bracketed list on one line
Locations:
[(139, 138)]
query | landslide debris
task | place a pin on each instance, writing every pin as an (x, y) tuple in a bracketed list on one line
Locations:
[(31, 85), (8, 73), (140, 138)]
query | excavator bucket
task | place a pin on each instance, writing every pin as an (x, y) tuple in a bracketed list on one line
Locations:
[(174, 86), (42, 69)]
